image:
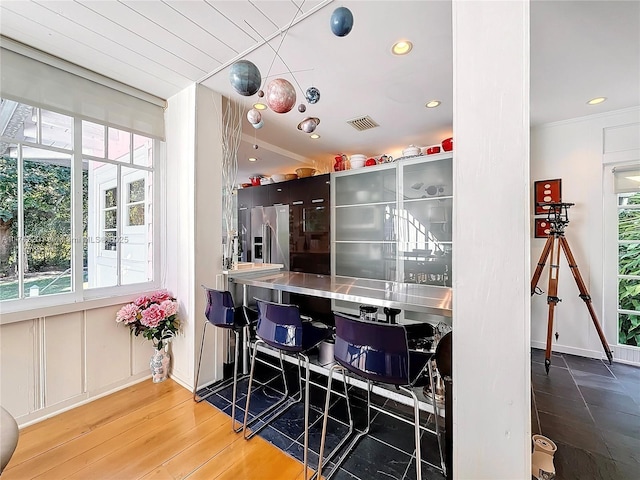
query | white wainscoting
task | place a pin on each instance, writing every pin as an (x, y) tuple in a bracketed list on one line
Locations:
[(51, 364)]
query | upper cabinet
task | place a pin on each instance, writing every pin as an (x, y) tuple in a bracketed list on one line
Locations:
[(393, 221)]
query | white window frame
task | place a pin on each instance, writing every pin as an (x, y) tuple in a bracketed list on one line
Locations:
[(622, 353), (80, 298)]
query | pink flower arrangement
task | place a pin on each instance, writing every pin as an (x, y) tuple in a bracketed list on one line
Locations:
[(154, 316)]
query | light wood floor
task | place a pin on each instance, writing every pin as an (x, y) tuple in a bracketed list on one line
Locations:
[(147, 431)]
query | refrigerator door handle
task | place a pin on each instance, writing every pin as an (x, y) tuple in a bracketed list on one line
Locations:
[(266, 243)]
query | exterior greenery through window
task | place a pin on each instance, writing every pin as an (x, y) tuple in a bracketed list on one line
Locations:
[(41, 209), (629, 269)]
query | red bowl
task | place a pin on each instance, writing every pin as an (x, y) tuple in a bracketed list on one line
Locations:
[(432, 150), (447, 144)]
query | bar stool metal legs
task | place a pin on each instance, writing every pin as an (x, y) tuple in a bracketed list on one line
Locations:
[(268, 412), (225, 383), (349, 433), (281, 406), (436, 416)]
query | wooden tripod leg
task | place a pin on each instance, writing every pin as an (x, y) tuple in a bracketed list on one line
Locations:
[(584, 295), (541, 263), (552, 297)]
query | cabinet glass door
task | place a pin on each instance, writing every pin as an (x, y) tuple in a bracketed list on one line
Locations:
[(370, 187), (366, 222), (366, 260)]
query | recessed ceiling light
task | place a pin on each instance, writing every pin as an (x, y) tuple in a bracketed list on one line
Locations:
[(259, 106), (253, 159), (433, 104), (596, 101), (402, 47), (314, 136)]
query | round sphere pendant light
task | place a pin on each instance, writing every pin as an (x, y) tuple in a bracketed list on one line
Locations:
[(245, 77), (341, 21), (280, 95)]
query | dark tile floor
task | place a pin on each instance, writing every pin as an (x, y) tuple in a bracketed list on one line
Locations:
[(590, 409), (388, 452)]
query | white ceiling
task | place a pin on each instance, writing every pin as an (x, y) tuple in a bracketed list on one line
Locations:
[(579, 50)]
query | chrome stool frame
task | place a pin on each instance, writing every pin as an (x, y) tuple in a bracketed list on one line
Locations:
[(378, 353), (281, 328), (222, 315)]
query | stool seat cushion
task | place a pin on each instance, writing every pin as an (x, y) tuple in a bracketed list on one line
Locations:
[(8, 437)]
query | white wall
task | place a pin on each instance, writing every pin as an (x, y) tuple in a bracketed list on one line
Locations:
[(193, 254), (573, 151)]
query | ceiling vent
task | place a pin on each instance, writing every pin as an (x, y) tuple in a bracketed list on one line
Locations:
[(363, 123)]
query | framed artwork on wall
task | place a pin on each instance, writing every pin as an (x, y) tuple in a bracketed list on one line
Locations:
[(546, 191), (542, 228)]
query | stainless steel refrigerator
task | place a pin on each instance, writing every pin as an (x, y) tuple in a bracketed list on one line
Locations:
[(270, 235)]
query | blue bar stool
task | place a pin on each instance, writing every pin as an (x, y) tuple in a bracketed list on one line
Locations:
[(281, 328), (221, 312), (377, 352)]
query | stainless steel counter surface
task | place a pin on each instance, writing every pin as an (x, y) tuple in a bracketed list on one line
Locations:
[(408, 296)]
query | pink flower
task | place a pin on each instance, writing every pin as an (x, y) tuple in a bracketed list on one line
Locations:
[(127, 314), (160, 296), (170, 307), (142, 301), (152, 316)]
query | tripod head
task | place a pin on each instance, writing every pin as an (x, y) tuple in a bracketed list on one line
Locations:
[(557, 215)]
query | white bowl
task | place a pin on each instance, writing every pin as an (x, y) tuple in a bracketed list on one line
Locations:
[(357, 160), (357, 163), (278, 177), (410, 151)]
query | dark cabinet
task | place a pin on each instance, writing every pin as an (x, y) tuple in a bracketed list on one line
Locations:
[(309, 220)]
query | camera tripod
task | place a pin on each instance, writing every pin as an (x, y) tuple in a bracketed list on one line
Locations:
[(558, 218)]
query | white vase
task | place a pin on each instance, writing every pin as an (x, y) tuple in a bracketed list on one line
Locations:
[(159, 364)]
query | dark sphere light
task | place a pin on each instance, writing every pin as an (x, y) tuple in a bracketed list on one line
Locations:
[(341, 21), (245, 77)]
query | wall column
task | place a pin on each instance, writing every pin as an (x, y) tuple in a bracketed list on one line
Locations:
[(491, 304)]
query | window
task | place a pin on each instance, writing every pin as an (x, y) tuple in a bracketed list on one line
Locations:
[(627, 183), (60, 237)]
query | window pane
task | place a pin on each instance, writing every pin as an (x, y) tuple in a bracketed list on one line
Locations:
[(20, 120), (47, 222), (629, 329), (629, 258), (136, 191), (8, 223), (56, 130), (93, 139), (629, 223), (111, 197), (136, 215), (142, 151), (137, 231), (100, 222), (119, 145), (629, 294), (110, 219)]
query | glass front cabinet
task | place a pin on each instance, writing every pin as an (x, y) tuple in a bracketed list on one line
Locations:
[(393, 221)]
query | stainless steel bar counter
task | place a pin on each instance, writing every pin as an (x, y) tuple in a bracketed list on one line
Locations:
[(415, 297), (409, 296)]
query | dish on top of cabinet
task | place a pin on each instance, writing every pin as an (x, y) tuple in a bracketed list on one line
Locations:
[(305, 172)]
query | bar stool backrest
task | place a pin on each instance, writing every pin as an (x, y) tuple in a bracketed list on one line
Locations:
[(220, 310), (279, 325), (376, 351)]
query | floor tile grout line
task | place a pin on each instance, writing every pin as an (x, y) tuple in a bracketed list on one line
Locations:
[(595, 424)]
